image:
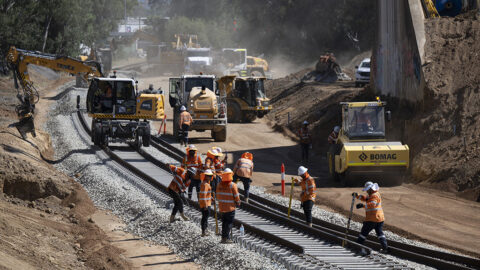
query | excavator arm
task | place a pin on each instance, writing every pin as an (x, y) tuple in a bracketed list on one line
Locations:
[(18, 61)]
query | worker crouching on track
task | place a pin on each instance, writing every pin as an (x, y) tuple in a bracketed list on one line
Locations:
[(192, 160), (374, 216), (308, 194), (185, 121), (205, 200), (176, 189), (305, 140), (243, 170), (228, 199)]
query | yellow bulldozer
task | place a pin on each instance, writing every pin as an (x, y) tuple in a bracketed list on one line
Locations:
[(247, 100), (361, 152)]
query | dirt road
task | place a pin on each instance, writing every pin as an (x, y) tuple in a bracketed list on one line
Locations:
[(410, 210)]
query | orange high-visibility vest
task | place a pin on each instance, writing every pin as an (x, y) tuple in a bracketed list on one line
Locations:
[(227, 196), (308, 189), (219, 166), (304, 135), (373, 207), (185, 119), (177, 184), (193, 162), (244, 168), (205, 195)]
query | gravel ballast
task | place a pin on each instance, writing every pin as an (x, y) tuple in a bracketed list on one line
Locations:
[(113, 190)]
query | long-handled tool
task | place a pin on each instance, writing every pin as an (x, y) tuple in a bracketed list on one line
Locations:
[(215, 213), (349, 219), (291, 195)]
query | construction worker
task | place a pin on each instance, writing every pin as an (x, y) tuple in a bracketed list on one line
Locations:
[(218, 164), (307, 197), (228, 199), (332, 138), (243, 170), (176, 189), (305, 140), (192, 160), (185, 121), (374, 217), (205, 199)]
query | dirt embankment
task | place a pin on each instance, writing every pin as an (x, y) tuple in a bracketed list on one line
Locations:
[(445, 135), (44, 215)]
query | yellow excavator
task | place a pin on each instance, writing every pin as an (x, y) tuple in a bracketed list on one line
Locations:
[(361, 152), (247, 100), (18, 61)]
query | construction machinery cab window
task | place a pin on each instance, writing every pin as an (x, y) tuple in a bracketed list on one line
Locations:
[(110, 94), (365, 122), (234, 57), (250, 90), (198, 53), (199, 82)]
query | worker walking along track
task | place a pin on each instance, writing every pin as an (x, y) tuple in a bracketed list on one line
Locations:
[(267, 229)]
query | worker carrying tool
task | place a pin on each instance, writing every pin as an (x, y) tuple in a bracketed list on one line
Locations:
[(192, 160), (305, 140), (374, 214), (205, 200), (228, 199), (176, 189), (243, 171), (219, 165), (186, 121), (307, 197), (332, 138)]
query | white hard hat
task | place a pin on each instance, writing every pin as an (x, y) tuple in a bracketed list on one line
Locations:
[(192, 147), (208, 172), (227, 170), (305, 122), (302, 170), (183, 108), (370, 185), (218, 149), (336, 129)]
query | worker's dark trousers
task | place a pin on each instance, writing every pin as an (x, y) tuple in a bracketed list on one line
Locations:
[(215, 181), (178, 203), (204, 221), (194, 183), (246, 185), (307, 209), (185, 129), (368, 226), (227, 223), (305, 148)]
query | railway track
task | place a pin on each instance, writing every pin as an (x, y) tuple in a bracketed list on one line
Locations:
[(271, 233)]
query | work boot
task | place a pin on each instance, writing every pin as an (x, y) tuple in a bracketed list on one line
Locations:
[(184, 217), (309, 224), (205, 233), (385, 250), (363, 252), (172, 218), (226, 241), (246, 200)]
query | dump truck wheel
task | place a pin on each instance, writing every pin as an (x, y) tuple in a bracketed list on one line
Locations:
[(138, 140), (220, 136), (249, 117), (234, 113)]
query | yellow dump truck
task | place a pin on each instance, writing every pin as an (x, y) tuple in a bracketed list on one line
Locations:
[(361, 152), (247, 100), (203, 100)]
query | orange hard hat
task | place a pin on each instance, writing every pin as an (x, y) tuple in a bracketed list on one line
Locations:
[(247, 155)]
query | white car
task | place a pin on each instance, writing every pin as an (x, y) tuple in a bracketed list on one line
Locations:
[(362, 73)]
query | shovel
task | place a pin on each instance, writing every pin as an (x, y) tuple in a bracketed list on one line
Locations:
[(348, 223)]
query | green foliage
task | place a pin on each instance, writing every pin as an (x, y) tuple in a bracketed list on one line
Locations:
[(64, 23)]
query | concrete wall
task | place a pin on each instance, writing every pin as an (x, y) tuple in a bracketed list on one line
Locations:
[(396, 61)]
